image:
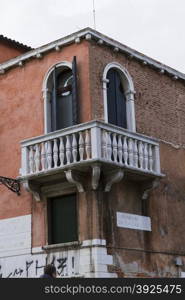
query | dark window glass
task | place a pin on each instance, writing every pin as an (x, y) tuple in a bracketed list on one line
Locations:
[(62, 113), (62, 217), (116, 101)]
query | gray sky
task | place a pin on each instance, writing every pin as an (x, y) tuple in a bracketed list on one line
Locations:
[(153, 27)]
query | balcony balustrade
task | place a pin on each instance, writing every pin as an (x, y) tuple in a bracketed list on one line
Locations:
[(80, 146)]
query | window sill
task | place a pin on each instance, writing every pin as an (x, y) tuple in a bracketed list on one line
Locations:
[(62, 245)]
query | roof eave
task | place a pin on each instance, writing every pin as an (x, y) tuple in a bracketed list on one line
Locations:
[(89, 34)]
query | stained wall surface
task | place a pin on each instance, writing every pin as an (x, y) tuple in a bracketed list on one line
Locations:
[(159, 107), (7, 52), (22, 117)]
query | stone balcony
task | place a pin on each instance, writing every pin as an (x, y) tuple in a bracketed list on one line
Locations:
[(89, 150)]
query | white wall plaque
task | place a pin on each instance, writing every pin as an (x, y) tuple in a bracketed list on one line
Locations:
[(133, 221)]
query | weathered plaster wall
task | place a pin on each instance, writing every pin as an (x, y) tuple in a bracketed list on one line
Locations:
[(22, 116), (8, 52)]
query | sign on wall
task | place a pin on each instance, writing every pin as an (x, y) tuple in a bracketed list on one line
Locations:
[(132, 221)]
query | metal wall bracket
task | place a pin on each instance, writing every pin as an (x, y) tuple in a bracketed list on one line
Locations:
[(11, 184)]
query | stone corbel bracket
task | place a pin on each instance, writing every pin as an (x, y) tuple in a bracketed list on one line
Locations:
[(96, 170), (113, 177), (75, 178), (149, 187), (33, 189)]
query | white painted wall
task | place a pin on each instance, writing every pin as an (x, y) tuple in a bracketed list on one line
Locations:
[(15, 236), (19, 260)]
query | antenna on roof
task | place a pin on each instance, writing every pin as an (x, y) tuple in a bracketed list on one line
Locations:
[(94, 14)]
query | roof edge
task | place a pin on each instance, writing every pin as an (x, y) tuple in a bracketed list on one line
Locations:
[(91, 34)]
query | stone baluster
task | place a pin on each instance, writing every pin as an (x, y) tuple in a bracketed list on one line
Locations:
[(104, 144), (49, 154), (130, 152), (115, 148), (109, 146), (145, 156), (43, 157), (120, 152), (68, 149), (31, 160), (55, 153), (157, 167), (87, 144), (37, 158), (141, 154), (74, 148), (135, 154), (61, 149), (125, 151), (150, 158), (81, 146)]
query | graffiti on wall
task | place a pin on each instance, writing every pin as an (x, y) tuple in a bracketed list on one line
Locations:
[(15, 248), (35, 267)]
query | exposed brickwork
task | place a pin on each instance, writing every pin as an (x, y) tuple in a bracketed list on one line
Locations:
[(159, 100), (160, 107)]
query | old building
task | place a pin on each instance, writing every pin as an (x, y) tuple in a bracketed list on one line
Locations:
[(93, 133)]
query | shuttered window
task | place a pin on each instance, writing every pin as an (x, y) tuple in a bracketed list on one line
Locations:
[(64, 98), (62, 219), (116, 101)]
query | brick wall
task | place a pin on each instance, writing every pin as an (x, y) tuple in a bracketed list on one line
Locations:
[(159, 100)]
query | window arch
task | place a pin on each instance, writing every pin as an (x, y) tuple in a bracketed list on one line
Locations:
[(118, 92), (60, 96)]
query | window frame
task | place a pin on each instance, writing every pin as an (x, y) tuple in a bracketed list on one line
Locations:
[(129, 94)]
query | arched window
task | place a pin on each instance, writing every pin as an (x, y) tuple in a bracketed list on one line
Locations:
[(116, 101), (60, 96), (118, 97)]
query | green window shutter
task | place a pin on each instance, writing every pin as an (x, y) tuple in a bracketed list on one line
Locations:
[(63, 219), (75, 92)]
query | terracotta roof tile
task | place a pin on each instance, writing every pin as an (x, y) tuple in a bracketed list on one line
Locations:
[(15, 43)]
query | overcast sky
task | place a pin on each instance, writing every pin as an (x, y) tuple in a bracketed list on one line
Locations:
[(154, 27)]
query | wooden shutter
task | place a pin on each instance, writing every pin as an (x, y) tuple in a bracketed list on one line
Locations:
[(63, 219), (111, 98), (116, 101), (120, 102), (74, 92)]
